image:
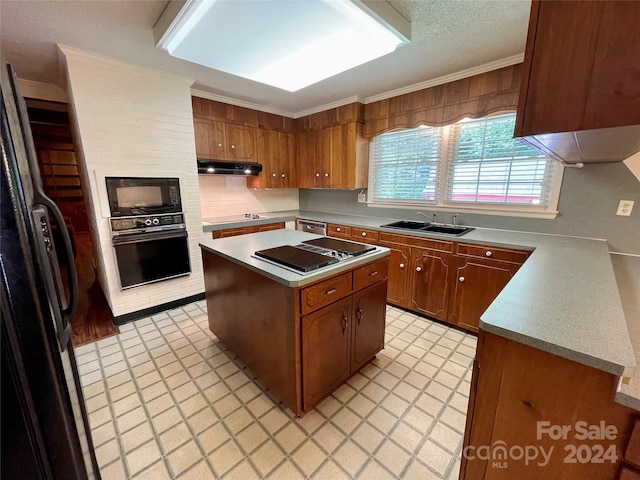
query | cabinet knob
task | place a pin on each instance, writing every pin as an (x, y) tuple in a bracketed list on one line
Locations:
[(461, 279), (338, 229), (326, 174), (233, 146), (317, 174), (220, 145), (283, 175), (364, 234), (402, 265), (488, 253), (273, 174), (418, 269)]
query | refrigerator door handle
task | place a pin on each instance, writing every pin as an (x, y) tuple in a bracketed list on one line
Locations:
[(72, 274), (42, 198)]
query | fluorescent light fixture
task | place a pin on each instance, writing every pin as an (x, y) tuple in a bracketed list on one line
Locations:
[(289, 44)]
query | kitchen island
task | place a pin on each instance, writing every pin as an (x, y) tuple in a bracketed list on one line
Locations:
[(302, 334)]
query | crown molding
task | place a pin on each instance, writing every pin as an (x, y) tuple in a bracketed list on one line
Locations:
[(452, 77), (41, 91), (240, 103), (322, 108), (98, 59)]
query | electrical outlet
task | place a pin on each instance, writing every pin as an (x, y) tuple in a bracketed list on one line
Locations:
[(362, 198), (625, 207)]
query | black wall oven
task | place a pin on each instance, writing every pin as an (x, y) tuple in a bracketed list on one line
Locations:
[(143, 196), (150, 248)]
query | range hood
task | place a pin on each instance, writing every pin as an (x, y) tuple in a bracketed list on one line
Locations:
[(605, 145), (220, 167)]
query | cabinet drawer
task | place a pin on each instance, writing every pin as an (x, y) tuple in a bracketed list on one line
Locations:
[(338, 231), (502, 254), (324, 293), (232, 232), (364, 234), (370, 274), (421, 242)]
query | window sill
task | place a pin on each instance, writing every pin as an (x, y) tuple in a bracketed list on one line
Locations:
[(512, 211)]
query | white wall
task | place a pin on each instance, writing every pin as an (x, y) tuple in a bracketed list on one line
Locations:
[(133, 121), (222, 196)]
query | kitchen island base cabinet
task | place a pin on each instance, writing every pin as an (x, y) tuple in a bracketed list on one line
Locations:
[(524, 397), (303, 342), (339, 339)]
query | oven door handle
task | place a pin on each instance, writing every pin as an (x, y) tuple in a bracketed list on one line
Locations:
[(147, 237)]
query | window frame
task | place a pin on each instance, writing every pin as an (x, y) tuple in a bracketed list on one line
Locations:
[(442, 203)]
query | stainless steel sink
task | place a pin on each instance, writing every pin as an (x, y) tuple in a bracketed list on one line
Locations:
[(442, 229)]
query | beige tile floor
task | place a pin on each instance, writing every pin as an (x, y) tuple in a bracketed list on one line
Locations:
[(167, 400)]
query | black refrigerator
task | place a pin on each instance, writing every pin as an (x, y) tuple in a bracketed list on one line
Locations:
[(45, 429)]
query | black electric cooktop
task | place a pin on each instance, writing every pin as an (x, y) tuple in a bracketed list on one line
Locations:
[(313, 254), (296, 258)]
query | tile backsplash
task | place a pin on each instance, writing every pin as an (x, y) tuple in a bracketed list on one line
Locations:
[(222, 196)]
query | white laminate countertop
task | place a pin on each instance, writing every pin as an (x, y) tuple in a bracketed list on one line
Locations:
[(563, 300), (240, 250)]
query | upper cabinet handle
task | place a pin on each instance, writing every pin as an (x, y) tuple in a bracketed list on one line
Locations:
[(317, 174), (326, 174), (233, 146), (219, 144)]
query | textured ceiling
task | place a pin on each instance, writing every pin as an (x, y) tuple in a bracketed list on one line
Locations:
[(448, 36)]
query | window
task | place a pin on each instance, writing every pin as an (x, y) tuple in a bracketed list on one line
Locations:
[(469, 166)]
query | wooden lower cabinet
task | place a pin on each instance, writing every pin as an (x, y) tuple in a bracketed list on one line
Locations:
[(326, 350), (232, 232), (474, 286), (399, 274), (430, 283), (340, 339), (367, 324), (513, 388)]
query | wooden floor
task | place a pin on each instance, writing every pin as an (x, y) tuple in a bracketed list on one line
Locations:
[(93, 319)]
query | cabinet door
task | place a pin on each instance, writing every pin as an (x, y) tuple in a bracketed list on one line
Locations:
[(218, 141), (326, 352), (306, 159), (288, 168), (241, 142), (367, 324), (475, 286), (430, 282), (232, 232), (203, 130), (343, 156), (587, 83), (269, 157), (399, 268), (324, 152), (269, 226)]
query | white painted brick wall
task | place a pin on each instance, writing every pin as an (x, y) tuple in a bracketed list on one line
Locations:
[(221, 196), (134, 121)]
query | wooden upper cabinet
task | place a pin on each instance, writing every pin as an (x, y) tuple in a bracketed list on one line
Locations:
[(306, 159), (224, 141), (582, 67), (333, 157), (276, 153), (240, 142)]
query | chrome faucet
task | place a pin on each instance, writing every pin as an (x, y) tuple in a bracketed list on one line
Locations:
[(454, 218), (434, 218)]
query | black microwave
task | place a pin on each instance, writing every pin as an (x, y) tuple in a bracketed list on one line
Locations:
[(130, 196)]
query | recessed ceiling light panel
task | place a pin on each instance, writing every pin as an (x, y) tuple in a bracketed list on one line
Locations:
[(289, 44)]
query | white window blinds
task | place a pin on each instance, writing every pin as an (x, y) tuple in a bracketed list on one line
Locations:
[(485, 164), (405, 166)]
